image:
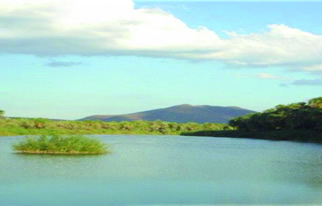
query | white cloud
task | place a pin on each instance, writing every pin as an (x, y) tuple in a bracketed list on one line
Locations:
[(317, 67), (110, 27)]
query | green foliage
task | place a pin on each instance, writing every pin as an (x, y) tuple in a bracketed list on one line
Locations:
[(294, 122), (56, 144), (297, 116), (316, 102), (20, 126), (1, 113)]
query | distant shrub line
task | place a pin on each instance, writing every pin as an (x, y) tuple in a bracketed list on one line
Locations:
[(298, 122), (21, 126)]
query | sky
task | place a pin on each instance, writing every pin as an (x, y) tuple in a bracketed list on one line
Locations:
[(67, 59)]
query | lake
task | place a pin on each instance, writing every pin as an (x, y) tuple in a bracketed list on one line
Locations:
[(165, 170)]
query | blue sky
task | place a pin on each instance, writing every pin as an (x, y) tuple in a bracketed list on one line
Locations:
[(42, 82)]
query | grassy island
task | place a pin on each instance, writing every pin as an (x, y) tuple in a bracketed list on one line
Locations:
[(60, 145)]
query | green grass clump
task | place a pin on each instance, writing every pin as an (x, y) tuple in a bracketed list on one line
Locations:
[(56, 144)]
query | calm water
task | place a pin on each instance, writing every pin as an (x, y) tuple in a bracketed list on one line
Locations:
[(165, 170)]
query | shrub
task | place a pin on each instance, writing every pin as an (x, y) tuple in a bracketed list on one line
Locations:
[(56, 144)]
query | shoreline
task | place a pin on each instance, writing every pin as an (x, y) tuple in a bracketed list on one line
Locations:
[(304, 136)]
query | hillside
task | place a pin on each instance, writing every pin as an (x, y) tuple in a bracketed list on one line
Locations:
[(180, 113)]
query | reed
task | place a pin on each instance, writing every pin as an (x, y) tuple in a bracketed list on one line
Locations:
[(57, 144)]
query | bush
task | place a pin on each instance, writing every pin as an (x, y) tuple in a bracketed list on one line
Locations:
[(1, 113), (22, 126), (56, 144), (297, 116)]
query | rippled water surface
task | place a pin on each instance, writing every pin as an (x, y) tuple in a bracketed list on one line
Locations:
[(164, 170)]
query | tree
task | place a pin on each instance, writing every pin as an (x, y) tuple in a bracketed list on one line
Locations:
[(296, 116), (1, 113), (316, 103)]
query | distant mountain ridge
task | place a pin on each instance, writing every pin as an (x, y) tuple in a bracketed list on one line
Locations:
[(180, 113)]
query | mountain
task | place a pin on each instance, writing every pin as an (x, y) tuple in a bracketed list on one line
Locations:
[(180, 113)]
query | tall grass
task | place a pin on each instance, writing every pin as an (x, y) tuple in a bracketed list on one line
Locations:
[(57, 144)]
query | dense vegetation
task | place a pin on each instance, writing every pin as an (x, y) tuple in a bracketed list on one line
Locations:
[(56, 144), (20, 126), (299, 122), (297, 116)]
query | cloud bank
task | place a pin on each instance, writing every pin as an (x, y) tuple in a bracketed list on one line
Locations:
[(109, 27), (308, 82)]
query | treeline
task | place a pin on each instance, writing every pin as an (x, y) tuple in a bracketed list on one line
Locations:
[(21, 126), (294, 122), (297, 116)]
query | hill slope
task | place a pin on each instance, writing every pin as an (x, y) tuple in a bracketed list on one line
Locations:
[(180, 113)]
